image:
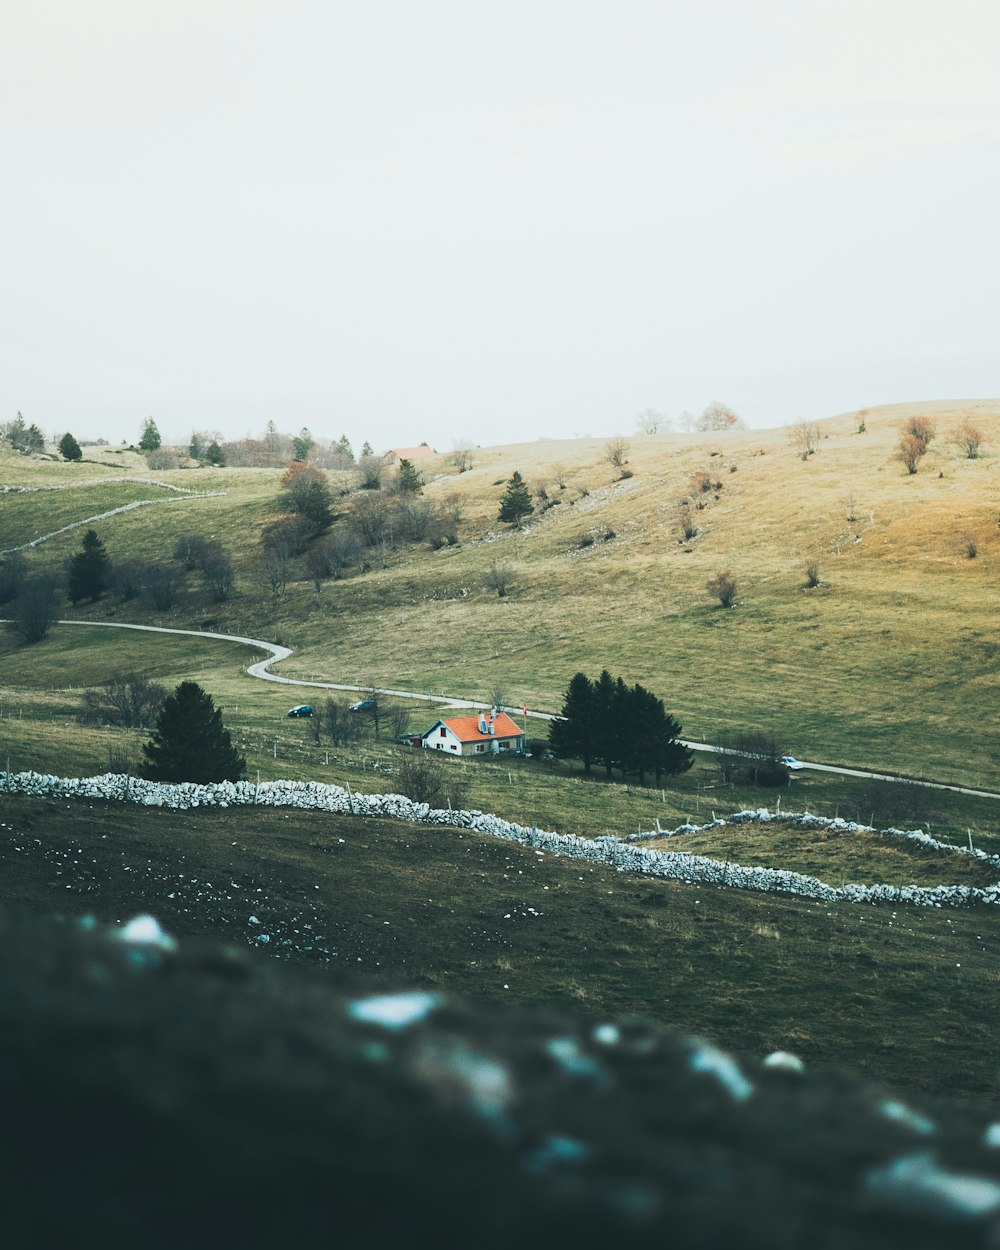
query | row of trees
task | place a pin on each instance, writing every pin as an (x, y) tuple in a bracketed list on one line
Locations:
[(620, 726), (715, 417)]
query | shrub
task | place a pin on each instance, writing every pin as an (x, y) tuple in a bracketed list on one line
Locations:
[(425, 779), (129, 700), (812, 574), (920, 427), (499, 577), (722, 587), (804, 437), (970, 439), (910, 450)]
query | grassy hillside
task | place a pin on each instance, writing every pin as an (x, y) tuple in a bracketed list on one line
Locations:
[(902, 995), (890, 661)]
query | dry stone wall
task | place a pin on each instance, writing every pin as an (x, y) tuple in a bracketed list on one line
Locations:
[(623, 855)]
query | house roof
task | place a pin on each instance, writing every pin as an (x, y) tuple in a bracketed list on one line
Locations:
[(409, 453), (466, 728)]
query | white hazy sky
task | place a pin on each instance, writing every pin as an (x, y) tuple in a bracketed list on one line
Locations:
[(411, 220)]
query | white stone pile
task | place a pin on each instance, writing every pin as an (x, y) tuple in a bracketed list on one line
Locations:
[(625, 857)]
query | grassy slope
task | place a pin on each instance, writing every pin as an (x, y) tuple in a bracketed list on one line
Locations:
[(886, 993), (891, 660)]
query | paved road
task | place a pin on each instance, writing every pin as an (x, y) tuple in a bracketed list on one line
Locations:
[(276, 653)]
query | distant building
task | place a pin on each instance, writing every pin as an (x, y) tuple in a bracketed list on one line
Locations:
[(485, 733), (395, 454)]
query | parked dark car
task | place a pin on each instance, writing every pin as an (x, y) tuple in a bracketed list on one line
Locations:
[(363, 705), (302, 710)]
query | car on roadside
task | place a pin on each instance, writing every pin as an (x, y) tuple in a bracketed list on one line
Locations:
[(791, 763), (363, 705), (303, 709)]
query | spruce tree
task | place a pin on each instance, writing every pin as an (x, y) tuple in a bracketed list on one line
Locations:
[(302, 444), (89, 570), (150, 440), (410, 479), (573, 736), (515, 502), (215, 455), (69, 448), (190, 742)]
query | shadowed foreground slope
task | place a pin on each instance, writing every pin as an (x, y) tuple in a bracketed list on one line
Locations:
[(164, 1095)]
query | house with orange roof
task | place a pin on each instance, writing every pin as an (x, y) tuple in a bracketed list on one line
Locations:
[(483, 733)]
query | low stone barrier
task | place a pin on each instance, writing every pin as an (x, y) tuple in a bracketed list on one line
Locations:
[(622, 855)]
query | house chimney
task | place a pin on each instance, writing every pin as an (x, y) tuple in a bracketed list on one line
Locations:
[(493, 726)]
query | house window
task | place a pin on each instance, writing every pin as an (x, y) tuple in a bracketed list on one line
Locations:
[(453, 747), (442, 731), (479, 747), (504, 746)]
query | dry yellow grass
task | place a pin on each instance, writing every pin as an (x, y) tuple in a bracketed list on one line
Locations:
[(891, 660)]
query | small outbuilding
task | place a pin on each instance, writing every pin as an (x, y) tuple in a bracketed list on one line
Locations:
[(484, 733)]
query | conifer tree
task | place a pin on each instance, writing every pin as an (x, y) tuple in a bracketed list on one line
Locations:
[(215, 455), (190, 743), (150, 440), (515, 502), (410, 479), (69, 448), (573, 736), (89, 570), (620, 726)]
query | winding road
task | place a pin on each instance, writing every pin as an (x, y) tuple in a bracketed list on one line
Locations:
[(276, 653)]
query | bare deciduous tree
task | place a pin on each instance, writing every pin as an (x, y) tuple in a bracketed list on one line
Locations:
[(217, 570), (616, 452), (651, 421), (499, 577), (34, 611), (337, 722), (722, 587), (130, 700), (13, 571), (424, 779), (970, 439), (461, 456), (163, 585), (910, 450), (371, 472), (920, 427), (685, 520), (718, 416), (804, 437)]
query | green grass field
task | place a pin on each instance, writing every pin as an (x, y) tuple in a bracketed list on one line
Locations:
[(890, 663), (905, 996)]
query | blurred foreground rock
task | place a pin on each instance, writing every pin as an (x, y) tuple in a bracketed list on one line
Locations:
[(165, 1095)]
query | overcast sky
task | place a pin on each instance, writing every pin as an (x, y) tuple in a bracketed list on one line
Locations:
[(411, 220)]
